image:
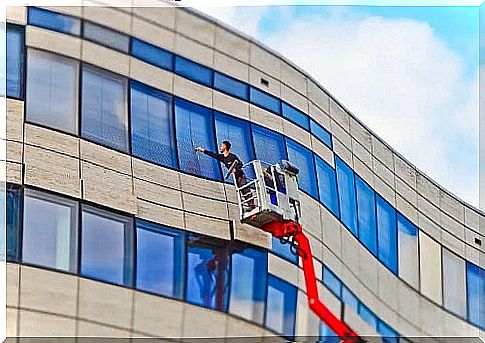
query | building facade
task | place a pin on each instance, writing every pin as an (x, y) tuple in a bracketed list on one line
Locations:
[(117, 227)]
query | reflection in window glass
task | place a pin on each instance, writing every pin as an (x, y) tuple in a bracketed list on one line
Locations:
[(327, 335), (332, 282), (193, 71), (194, 127), (152, 54), (430, 267), (321, 133), (248, 284), (104, 108), (52, 90), (454, 283), (159, 259), (388, 334), (152, 125), (327, 186), (49, 231), (283, 250), (366, 214), (281, 306), (54, 21), (231, 86), (264, 100), (346, 193), (269, 145), (105, 36), (13, 221), (294, 115), (475, 277), (408, 251), (386, 234), (303, 159), (107, 246), (207, 273), (15, 60), (349, 299), (367, 315)]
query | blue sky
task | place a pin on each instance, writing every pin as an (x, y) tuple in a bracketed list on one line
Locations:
[(409, 73)]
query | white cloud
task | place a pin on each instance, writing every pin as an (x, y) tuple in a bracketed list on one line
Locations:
[(400, 78)]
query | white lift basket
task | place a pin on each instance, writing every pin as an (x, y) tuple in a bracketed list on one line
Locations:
[(270, 194)]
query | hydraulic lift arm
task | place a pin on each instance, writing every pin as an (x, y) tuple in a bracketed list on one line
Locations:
[(289, 228)]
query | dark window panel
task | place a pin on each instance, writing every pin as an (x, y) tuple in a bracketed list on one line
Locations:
[(269, 145), (193, 71), (389, 335), (265, 100), (367, 316), (327, 335), (366, 209), (231, 86), (475, 277), (321, 133), (303, 159), (387, 234), (194, 127), (15, 60), (152, 54), (13, 210), (54, 21), (152, 125), (160, 259), (349, 299), (327, 186), (283, 250), (347, 198), (295, 116), (281, 306), (105, 36), (332, 282)]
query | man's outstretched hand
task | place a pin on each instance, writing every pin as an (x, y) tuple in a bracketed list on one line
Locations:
[(199, 149)]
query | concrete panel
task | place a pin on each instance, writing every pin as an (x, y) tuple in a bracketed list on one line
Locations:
[(388, 288), (192, 91), (11, 322), (453, 243), (429, 226), (319, 115), (105, 303), (230, 66), (48, 291), (339, 133), (323, 151), (430, 268), (52, 140), (265, 118), (363, 171), (194, 27), (12, 284), (383, 172), (310, 218), (429, 209), (408, 300), (236, 328), (452, 226), (331, 232), (194, 51), (152, 33), (59, 43), (111, 17), (427, 189), (431, 318), (207, 226), (369, 269), (350, 247), (50, 170), (150, 315), (318, 97), (470, 237), (75, 11), (13, 151), (228, 42), (158, 194), (14, 172), (302, 314), (342, 151), (293, 78), (293, 98), (205, 206), (16, 15), (200, 322), (474, 255), (231, 196), (156, 174), (160, 15), (406, 192), (283, 269), (359, 325), (405, 171), (108, 187), (361, 153), (90, 329), (160, 214), (252, 235), (106, 58), (472, 219), (227, 104), (105, 157), (273, 87), (263, 60), (15, 120), (202, 187), (383, 153), (151, 75), (360, 133), (298, 134), (452, 206), (408, 210), (385, 191), (34, 324)]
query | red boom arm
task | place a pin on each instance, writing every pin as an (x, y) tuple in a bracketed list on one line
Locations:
[(291, 228)]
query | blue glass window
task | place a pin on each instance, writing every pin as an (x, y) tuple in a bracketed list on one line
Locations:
[(104, 115), (327, 186), (207, 273), (193, 71), (238, 132), (346, 192), (152, 125), (151, 54), (408, 251), (332, 282), (283, 250), (388, 334), (195, 127), (264, 100), (303, 159), (231, 86), (49, 235), (107, 246), (386, 234), (269, 145), (294, 115), (322, 134), (15, 60), (327, 335), (54, 21), (366, 214), (13, 204), (367, 315), (52, 90), (475, 277), (349, 299), (281, 306), (159, 259), (248, 284), (105, 36)]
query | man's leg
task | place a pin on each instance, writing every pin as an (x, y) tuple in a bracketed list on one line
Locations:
[(246, 192)]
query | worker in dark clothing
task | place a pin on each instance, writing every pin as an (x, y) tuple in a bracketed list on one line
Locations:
[(233, 165)]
